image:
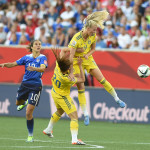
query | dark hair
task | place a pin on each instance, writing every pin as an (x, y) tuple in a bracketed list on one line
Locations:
[(64, 62), (31, 45)]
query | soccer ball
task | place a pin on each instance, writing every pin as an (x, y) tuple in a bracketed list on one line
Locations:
[(143, 71)]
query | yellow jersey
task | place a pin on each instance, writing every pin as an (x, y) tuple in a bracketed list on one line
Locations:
[(61, 83), (79, 42)]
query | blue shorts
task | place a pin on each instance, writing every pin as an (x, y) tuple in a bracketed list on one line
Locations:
[(27, 92)]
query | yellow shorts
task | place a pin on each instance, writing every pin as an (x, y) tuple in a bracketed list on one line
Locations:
[(87, 64), (64, 102)]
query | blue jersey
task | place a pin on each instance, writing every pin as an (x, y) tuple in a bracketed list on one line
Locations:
[(32, 77)]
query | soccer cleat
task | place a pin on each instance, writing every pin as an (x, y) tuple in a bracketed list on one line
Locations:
[(20, 107), (86, 121), (49, 134), (79, 142), (30, 139), (121, 103)]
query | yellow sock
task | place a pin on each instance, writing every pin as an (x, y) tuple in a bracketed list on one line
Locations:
[(55, 117), (82, 101), (108, 87), (74, 129)]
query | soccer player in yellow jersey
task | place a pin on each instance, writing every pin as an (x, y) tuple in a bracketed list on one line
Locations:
[(61, 94), (83, 44)]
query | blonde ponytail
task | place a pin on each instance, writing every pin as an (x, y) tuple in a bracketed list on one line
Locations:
[(97, 18)]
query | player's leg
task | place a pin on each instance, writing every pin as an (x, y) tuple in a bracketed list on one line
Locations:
[(30, 121), (81, 93), (108, 87), (82, 102), (33, 100), (74, 128), (57, 115), (55, 118), (21, 98)]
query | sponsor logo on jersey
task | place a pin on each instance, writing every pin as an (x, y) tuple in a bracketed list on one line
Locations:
[(89, 42), (45, 62), (37, 60), (73, 43)]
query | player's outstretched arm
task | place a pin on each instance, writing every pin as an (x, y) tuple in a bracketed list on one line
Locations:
[(9, 65), (40, 69), (81, 78)]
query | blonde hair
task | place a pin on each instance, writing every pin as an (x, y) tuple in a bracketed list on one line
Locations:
[(96, 19)]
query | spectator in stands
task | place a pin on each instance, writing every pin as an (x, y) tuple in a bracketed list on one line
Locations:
[(22, 5), (144, 28), (30, 27), (23, 40), (79, 24), (14, 40), (10, 33), (42, 33), (20, 18), (135, 46), (23, 32), (141, 38), (117, 16), (46, 40), (59, 37), (3, 18), (109, 40), (133, 13), (2, 34), (134, 27), (60, 6), (12, 14), (67, 15), (111, 7), (127, 9), (52, 15), (124, 40), (115, 43), (69, 35), (108, 28)]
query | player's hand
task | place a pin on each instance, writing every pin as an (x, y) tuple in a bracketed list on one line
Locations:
[(79, 50), (30, 68), (85, 56), (71, 76), (80, 61), (2, 65)]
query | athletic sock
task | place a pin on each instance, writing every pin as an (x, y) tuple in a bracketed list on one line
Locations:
[(55, 117), (82, 101), (30, 124), (108, 87), (74, 130)]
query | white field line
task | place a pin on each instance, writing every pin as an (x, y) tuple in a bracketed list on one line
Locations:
[(87, 146)]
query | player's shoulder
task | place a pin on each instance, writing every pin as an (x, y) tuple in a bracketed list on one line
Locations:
[(42, 55), (77, 36)]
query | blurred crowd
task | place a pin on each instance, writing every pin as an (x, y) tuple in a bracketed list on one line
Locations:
[(54, 22)]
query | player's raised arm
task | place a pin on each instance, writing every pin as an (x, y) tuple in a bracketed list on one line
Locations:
[(9, 64)]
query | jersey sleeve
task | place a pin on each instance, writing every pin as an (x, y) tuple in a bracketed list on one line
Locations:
[(73, 43), (74, 80), (21, 61), (44, 61)]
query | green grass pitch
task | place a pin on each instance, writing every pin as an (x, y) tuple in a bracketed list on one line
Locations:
[(98, 135)]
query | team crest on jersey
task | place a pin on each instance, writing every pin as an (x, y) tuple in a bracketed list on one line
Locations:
[(45, 62), (89, 42), (73, 43), (37, 60)]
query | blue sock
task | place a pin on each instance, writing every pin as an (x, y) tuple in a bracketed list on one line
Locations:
[(30, 124)]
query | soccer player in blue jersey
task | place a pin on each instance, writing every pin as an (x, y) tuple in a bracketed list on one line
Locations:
[(31, 86)]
